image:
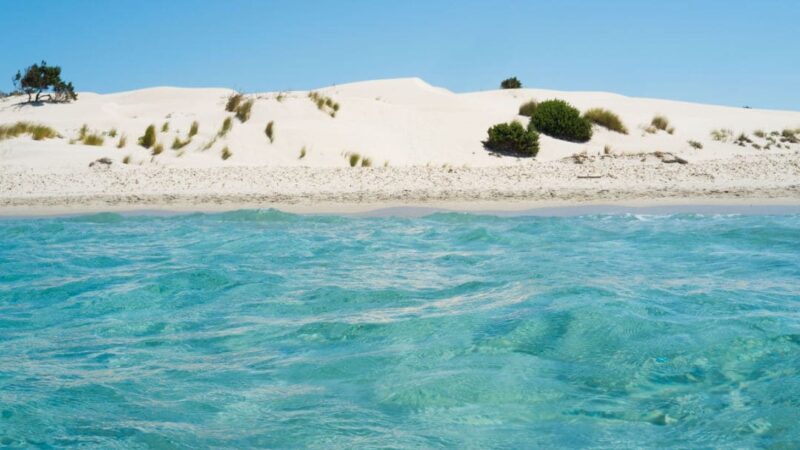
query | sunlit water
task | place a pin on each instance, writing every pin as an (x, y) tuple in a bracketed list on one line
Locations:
[(258, 328)]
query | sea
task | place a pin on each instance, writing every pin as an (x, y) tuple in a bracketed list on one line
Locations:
[(264, 329)]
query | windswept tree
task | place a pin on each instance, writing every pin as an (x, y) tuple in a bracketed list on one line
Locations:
[(511, 83), (41, 79)]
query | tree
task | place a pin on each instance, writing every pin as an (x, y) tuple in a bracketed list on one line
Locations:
[(511, 83), (41, 78)]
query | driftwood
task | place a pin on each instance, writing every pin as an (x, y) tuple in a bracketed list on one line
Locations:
[(590, 176)]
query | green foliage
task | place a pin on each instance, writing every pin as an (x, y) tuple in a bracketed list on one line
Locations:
[(36, 131), (302, 153), (512, 138), (353, 159), (511, 83), (696, 145), (722, 135), (660, 123), (149, 137), (366, 162), (178, 144), (158, 149), (165, 127), (83, 131), (243, 111), (92, 139), (760, 134), (112, 133), (605, 119), (123, 141), (528, 108), (324, 104), (270, 131), (227, 124), (40, 78), (233, 102), (226, 153), (194, 129), (789, 135), (126, 159), (559, 119)]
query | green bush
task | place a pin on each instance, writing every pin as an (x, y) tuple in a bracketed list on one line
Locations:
[(226, 153), (511, 83), (227, 124), (605, 119), (165, 127), (93, 139), (559, 119), (158, 149), (660, 123), (149, 138), (528, 108), (123, 141), (243, 111), (270, 131), (512, 138), (37, 132), (696, 145), (194, 129), (233, 101)]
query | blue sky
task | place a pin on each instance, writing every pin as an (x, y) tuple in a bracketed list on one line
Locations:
[(732, 52)]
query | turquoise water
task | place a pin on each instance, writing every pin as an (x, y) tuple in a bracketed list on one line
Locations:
[(264, 329)]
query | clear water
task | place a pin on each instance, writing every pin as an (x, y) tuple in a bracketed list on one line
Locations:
[(258, 328)]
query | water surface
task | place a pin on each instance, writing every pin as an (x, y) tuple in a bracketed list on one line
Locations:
[(259, 328)]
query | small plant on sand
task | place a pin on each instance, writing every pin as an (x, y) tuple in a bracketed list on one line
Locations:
[(227, 124), (510, 83), (83, 131), (760, 134), (149, 137), (302, 153), (366, 162), (789, 136), (353, 158), (243, 111), (742, 140), (112, 133), (512, 138), (233, 102), (528, 108), (722, 135), (165, 127), (605, 119), (194, 129), (126, 159), (123, 141), (226, 153), (37, 132), (93, 139), (210, 144), (178, 144), (158, 149), (660, 123), (696, 145), (560, 120), (324, 104), (270, 131)]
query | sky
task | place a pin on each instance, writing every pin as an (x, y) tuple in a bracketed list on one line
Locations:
[(728, 52)]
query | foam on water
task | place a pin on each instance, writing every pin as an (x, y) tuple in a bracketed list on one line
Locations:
[(260, 328)]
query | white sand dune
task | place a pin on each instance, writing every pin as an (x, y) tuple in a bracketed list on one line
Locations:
[(400, 123)]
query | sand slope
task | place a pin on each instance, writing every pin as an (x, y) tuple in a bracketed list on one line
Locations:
[(397, 122)]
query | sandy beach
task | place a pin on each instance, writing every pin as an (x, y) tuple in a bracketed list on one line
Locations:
[(416, 145)]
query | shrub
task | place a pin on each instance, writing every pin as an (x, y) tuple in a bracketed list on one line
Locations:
[(158, 149), (353, 158), (528, 108), (510, 83), (324, 103), (760, 134), (512, 138), (559, 119), (605, 119), (112, 133), (227, 124), (788, 135), (126, 159), (660, 123), (178, 144), (123, 141), (40, 78), (302, 153), (243, 111), (226, 153), (270, 131), (366, 162), (92, 139), (165, 127), (36, 131), (721, 135), (194, 129), (83, 131), (233, 102), (696, 145), (149, 138), (742, 140)]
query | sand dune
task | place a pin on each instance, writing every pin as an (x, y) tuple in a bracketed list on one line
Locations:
[(401, 123)]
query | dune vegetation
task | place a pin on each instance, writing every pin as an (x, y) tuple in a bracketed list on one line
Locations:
[(37, 132)]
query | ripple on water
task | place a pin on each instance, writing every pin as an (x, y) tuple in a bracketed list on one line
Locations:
[(266, 329)]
